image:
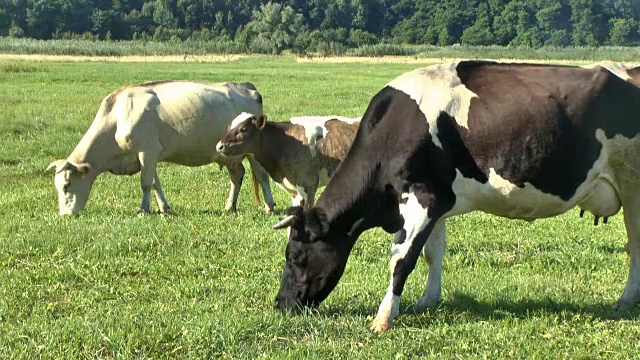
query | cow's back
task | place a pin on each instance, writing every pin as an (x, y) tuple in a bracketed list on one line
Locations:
[(336, 142), (514, 130), (193, 117)]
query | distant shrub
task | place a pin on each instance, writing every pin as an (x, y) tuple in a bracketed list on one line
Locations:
[(385, 49), (18, 68)]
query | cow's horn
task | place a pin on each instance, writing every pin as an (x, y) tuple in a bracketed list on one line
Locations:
[(52, 165), (286, 222)]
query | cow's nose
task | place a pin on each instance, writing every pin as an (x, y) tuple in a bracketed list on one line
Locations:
[(220, 147)]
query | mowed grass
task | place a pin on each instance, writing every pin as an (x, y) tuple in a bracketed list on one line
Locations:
[(201, 284)]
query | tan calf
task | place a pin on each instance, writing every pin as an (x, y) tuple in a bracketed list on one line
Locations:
[(299, 155)]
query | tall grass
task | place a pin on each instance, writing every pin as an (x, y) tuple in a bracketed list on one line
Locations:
[(84, 47)]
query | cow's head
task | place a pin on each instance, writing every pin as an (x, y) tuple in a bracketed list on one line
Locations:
[(73, 182), (315, 259), (243, 136)]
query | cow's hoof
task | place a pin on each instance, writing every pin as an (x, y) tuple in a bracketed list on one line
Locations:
[(624, 305), (142, 212), (269, 208), (229, 208), (168, 212), (379, 325), (425, 303)]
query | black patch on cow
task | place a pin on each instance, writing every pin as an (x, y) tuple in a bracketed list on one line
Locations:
[(405, 265), (400, 237), (425, 169), (393, 153), (536, 124), (376, 111), (453, 146)]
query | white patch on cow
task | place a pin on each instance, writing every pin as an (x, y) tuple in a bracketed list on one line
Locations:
[(315, 129), (616, 68), (416, 219), (437, 89), (598, 193), (240, 119)]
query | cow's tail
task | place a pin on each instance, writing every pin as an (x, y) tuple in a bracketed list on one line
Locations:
[(256, 190)]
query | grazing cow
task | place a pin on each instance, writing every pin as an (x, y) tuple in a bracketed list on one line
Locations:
[(173, 121), (300, 155), (520, 141)]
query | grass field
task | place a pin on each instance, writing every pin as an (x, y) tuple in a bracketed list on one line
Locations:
[(201, 284)]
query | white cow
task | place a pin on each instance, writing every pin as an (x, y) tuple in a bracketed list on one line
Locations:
[(140, 125)]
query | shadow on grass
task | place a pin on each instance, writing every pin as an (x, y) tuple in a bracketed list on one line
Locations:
[(462, 308), (460, 304)]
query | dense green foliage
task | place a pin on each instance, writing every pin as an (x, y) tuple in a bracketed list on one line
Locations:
[(200, 285), (318, 25)]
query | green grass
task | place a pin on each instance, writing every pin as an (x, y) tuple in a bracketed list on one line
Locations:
[(201, 284)]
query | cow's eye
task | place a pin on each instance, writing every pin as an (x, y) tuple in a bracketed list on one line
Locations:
[(65, 187), (298, 259), (243, 129)]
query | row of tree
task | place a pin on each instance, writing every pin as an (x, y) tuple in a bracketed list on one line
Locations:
[(306, 24)]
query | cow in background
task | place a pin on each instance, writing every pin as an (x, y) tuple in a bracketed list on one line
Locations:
[(140, 125), (300, 155)]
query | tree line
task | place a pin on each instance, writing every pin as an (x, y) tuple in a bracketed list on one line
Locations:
[(310, 25)]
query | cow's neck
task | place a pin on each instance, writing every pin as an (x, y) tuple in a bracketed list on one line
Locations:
[(276, 145), (97, 147), (353, 207)]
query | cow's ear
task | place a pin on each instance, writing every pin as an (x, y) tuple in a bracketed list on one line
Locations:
[(316, 224), (83, 169), (60, 165), (260, 121)]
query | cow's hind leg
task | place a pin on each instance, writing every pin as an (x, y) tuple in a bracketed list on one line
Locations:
[(236, 172), (406, 249), (433, 252), (163, 204), (631, 210)]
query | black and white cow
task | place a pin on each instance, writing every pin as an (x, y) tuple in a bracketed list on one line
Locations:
[(520, 141)]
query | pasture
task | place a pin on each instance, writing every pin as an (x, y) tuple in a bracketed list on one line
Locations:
[(107, 284)]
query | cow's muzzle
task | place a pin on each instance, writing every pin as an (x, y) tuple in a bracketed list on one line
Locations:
[(220, 147), (294, 306)]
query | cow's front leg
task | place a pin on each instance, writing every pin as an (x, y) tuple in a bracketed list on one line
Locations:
[(262, 176), (163, 205), (406, 249), (236, 172), (148, 164)]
